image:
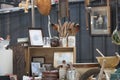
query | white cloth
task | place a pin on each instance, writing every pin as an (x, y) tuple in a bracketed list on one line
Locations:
[(6, 58), (4, 44)]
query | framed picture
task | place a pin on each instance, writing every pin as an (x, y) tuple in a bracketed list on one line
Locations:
[(35, 68), (48, 66), (60, 56), (100, 20), (38, 59), (35, 36)]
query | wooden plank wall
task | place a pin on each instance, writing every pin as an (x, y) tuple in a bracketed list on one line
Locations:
[(16, 24)]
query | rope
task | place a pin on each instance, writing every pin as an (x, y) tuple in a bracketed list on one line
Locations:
[(49, 32)]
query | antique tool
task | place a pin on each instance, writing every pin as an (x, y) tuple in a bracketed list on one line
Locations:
[(108, 65)]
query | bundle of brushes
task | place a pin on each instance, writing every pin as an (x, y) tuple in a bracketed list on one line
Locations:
[(67, 29)]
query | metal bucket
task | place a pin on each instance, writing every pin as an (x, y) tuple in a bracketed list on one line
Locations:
[(71, 74)]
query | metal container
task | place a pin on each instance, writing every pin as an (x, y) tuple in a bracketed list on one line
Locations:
[(71, 74), (62, 73)]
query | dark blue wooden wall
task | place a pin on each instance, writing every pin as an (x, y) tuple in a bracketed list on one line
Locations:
[(16, 24)]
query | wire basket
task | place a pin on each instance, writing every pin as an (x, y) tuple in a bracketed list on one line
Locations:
[(110, 61)]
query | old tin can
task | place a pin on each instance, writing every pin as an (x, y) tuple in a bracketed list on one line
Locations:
[(71, 74)]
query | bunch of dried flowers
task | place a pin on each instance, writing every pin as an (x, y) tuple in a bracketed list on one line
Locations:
[(67, 29)]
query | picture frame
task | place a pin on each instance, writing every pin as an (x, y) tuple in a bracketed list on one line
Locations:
[(35, 37), (100, 20), (39, 59), (35, 68), (48, 66), (60, 56)]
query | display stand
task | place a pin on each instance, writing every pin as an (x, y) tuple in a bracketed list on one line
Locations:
[(47, 53)]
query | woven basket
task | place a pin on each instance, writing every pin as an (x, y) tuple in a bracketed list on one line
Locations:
[(110, 61)]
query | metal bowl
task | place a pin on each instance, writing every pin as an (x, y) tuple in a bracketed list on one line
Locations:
[(110, 61)]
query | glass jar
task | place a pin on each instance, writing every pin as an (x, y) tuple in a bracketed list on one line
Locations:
[(54, 42)]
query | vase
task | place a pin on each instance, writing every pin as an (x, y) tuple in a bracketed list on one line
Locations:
[(64, 42), (71, 41)]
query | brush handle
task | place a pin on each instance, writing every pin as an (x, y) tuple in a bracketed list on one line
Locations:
[(100, 52)]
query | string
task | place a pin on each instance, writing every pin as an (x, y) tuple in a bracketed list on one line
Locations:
[(116, 14)]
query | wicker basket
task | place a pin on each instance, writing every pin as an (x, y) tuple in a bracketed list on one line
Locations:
[(110, 61)]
